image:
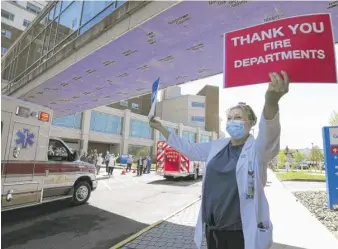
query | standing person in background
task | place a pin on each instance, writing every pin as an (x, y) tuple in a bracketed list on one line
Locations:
[(112, 164), (149, 164), (106, 160), (145, 165), (129, 163), (139, 166), (95, 158)]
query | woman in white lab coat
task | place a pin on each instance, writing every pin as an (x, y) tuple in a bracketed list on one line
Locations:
[(234, 210)]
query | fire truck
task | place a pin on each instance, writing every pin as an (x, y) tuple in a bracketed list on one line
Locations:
[(37, 168), (172, 164)]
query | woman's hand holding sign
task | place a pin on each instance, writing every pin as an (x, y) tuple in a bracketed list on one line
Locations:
[(278, 87)]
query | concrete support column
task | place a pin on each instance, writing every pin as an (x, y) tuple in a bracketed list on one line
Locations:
[(125, 131), (198, 135), (180, 129), (85, 124), (214, 136)]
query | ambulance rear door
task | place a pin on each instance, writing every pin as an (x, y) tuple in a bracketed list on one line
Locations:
[(19, 167)]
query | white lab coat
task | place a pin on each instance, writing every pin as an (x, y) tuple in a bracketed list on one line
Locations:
[(256, 152)]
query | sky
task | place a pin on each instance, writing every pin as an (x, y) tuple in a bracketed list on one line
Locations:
[(303, 111)]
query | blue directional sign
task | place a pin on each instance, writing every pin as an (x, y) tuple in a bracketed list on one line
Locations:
[(330, 140)]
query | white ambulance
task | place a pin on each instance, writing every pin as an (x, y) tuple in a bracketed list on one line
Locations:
[(36, 168), (172, 164)]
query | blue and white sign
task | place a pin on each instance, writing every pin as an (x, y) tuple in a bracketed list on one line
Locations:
[(123, 159), (330, 140), (154, 91)]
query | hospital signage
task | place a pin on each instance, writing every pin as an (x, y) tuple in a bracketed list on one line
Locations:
[(303, 46), (331, 164)]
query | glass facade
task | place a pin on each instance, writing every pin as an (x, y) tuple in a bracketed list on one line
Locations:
[(140, 129), (61, 23), (105, 123), (189, 136), (205, 138), (73, 121), (162, 138)]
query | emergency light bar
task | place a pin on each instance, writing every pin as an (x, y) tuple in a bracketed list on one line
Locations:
[(44, 116)]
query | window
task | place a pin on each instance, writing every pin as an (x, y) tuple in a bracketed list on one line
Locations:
[(105, 123), (170, 129), (140, 129), (69, 21), (204, 138), (188, 136), (26, 23), (6, 33), (57, 151), (3, 51), (72, 121), (92, 8), (32, 8), (197, 104), (97, 18), (197, 119), (7, 15), (124, 103), (134, 106)]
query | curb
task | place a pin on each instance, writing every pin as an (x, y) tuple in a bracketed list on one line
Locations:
[(146, 229), (302, 180)]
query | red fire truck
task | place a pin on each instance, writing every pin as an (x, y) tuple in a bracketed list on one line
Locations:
[(36, 168), (170, 163)]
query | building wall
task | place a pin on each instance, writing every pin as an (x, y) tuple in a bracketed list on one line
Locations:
[(21, 18), (186, 109), (212, 119), (139, 105), (133, 134)]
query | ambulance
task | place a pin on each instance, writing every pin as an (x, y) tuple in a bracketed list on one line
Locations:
[(172, 164), (37, 168)]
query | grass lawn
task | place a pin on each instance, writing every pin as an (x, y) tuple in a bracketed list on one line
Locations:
[(298, 175)]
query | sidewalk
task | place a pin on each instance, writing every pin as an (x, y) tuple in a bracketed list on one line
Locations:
[(294, 226), (104, 175)]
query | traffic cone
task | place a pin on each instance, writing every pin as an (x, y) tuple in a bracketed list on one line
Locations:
[(123, 171)]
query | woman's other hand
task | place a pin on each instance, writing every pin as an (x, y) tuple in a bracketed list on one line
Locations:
[(155, 124), (278, 87)]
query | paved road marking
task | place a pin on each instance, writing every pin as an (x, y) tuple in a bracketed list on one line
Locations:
[(106, 185)]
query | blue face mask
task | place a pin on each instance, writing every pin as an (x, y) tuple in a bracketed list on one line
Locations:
[(236, 129)]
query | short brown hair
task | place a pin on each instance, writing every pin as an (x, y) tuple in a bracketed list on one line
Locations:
[(247, 109)]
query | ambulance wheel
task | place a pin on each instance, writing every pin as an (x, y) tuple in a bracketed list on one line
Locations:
[(81, 193)]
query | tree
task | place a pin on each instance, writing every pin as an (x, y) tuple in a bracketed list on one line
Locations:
[(333, 118), (316, 155), (281, 158), (298, 157)]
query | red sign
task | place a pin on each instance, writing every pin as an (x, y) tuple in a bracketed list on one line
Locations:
[(334, 149), (303, 46)]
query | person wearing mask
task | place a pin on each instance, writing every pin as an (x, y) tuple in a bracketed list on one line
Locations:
[(112, 164), (106, 160), (129, 163), (234, 209), (139, 166)]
